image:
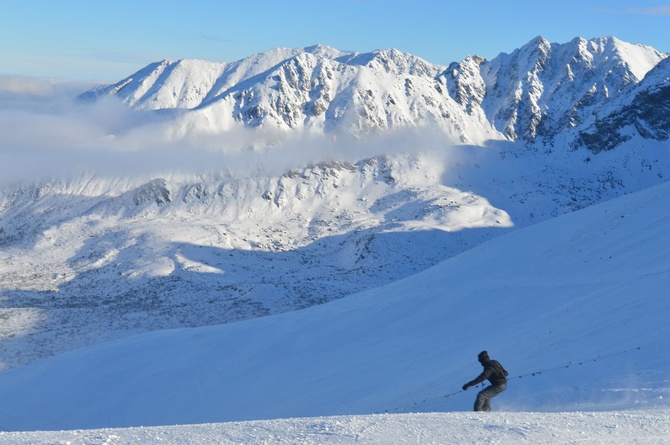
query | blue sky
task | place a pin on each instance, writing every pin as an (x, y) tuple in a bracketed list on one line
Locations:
[(106, 41)]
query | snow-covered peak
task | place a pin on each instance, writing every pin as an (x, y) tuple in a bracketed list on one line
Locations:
[(637, 58), (355, 94), (539, 47), (642, 111), (395, 62), (187, 83), (165, 85), (325, 51), (658, 76), (542, 88), (465, 83)]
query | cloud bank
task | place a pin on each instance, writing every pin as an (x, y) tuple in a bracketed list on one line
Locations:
[(46, 133)]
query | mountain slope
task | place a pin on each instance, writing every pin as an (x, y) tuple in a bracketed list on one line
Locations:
[(188, 83), (642, 112), (371, 93), (544, 88), (583, 309)]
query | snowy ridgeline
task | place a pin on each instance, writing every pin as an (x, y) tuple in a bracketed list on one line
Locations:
[(537, 93), (594, 428)]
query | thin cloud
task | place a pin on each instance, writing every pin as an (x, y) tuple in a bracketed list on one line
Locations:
[(659, 10), (44, 135), (655, 10), (35, 93)]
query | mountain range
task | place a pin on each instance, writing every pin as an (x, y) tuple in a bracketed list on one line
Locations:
[(460, 155), (542, 92)]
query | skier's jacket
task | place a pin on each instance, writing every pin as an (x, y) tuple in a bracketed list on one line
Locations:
[(493, 372)]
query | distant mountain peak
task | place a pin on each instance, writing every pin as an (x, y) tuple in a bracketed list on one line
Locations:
[(644, 111), (325, 51), (539, 42)]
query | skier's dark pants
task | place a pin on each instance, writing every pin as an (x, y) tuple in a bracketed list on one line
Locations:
[(483, 402)]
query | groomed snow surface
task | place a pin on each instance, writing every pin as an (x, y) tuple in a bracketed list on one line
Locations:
[(628, 427), (575, 308)]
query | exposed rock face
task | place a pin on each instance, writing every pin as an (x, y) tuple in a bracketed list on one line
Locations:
[(645, 111), (543, 89)]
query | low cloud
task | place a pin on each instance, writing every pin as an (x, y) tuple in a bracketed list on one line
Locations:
[(37, 94), (46, 133)]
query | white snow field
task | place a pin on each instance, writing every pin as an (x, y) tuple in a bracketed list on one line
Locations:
[(626, 427), (575, 308)]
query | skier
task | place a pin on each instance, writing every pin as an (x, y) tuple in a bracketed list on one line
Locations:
[(496, 375)]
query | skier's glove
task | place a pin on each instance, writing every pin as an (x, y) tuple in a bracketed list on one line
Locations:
[(466, 386)]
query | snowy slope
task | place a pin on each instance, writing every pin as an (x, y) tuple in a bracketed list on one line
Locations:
[(574, 307)]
